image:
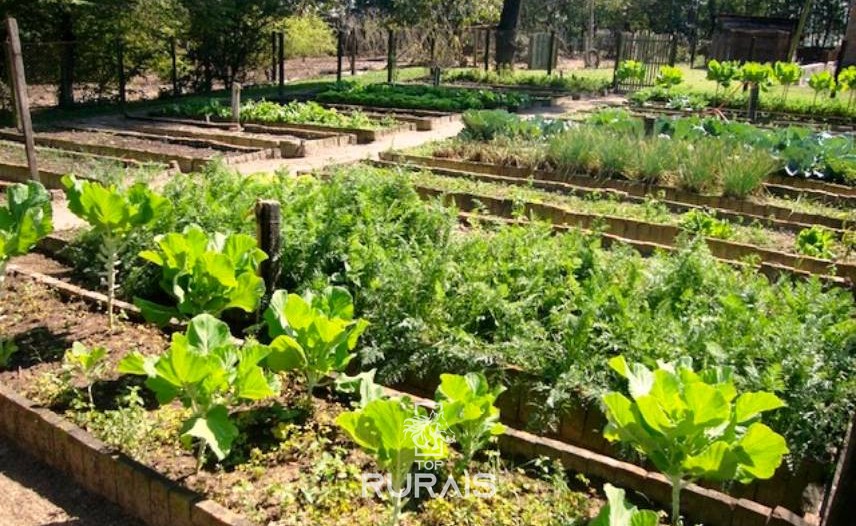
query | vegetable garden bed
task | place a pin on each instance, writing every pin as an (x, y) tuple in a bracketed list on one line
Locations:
[(140, 467), (424, 120), (536, 83), (144, 147)]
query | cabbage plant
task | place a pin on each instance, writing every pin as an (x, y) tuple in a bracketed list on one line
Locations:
[(209, 374), (113, 215), (25, 218), (617, 512), (205, 274), (313, 334), (693, 425)]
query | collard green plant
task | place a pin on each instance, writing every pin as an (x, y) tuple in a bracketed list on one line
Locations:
[(618, 512), (787, 74), (25, 218), (384, 429), (113, 214), (362, 385), (205, 274), (88, 364), (816, 242), (693, 425), (669, 76), (209, 374), (466, 405), (314, 334), (630, 70)]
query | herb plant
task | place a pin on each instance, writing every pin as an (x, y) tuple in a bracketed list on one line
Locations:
[(314, 334), (466, 405), (693, 425), (209, 374), (113, 214), (205, 274)]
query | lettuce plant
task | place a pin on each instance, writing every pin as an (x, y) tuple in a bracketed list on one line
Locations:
[(209, 374), (466, 405), (89, 364), (617, 512), (25, 218), (787, 74), (693, 425), (816, 242), (821, 82), (205, 274), (384, 429), (314, 334), (113, 214), (723, 73), (847, 80)]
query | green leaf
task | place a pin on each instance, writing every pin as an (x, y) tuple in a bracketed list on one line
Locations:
[(717, 462), (760, 453), (160, 315), (751, 405), (707, 404), (214, 429), (617, 512), (286, 355), (206, 333)]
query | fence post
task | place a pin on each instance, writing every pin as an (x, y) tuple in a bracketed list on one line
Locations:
[(273, 48), (649, 124), (120, 65), (13, 99), (390, 57), (435, 69), (281, 59), (174, 58), (487, 49), (19, 86), (552, 52), (620, 48), (340, 53), (268, 219), (354, 52), (673, 51), (236, 105), (754, 94)]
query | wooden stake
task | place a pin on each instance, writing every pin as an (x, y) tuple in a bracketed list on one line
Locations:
[(174, 58), (236, 105), (120, 68), (354, 44), (390, 57), (268, 219), (19, 87), (340, 53), (281, 59)]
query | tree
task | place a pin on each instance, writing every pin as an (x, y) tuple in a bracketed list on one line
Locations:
[(507, 33)]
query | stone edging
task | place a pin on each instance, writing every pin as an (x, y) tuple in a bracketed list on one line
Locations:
[(153, 498)]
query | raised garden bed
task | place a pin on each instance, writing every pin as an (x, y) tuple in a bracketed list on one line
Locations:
[(144, 147), (424, 120), (157, 483)]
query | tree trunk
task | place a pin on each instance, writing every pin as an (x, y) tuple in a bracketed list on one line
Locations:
[(796, 38), (507, 33), (66, 65), (849, 51)]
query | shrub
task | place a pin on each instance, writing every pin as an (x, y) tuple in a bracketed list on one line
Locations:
[(308, 35)]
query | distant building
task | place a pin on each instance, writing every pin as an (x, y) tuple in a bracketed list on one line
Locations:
[(751, 38)]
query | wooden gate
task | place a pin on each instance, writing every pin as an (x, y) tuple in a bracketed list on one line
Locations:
[(651, 49)]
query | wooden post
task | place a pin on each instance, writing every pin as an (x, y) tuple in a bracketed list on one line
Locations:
[(268, 219), (19, 87), (173, 55), (340, 53), (619, 48), (281, 59), (15, 113), (435, 69), (236, 105), (754, 94), (354, 49), (120, 69), (273, 66), (390, 57), (552, 52), (487, 49), (649, 124)]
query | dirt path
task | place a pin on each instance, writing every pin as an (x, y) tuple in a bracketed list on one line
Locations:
[(33, 494)]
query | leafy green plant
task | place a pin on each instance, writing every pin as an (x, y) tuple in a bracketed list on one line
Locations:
[(314, 334), (209, 374), (787, 74), (205, 274), (617, 512), (423, 97), (113, 214), (362, 384), (693, 425), (755, 73), (847, 80), (816, 242), (701, 222), (7, 349), (88, 364), (384, 429), (466, 405), (821, 82), (630, 70), (25, 218), (723, 73), (669, 76)]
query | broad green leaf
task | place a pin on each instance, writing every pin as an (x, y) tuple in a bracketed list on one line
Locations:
[(153, 313), (205, 333), (707, 404), (760, 453), (214, 429), (286, 354), (362, 384), (750, 405), (618, 512), (717, 462)]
